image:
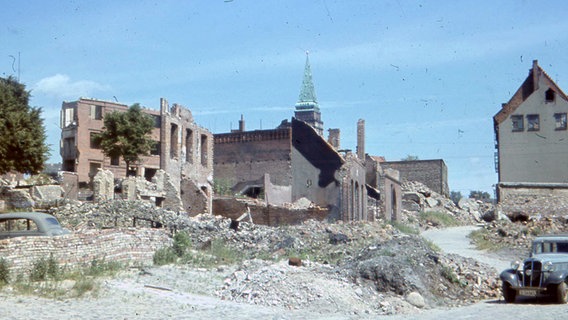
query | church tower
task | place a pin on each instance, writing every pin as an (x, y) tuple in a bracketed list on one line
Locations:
[(307, 107)]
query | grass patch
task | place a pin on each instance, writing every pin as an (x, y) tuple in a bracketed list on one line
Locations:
[(439, 219), (4, 272), (48, 279), (482, 240), (449, 274), (404, 228)]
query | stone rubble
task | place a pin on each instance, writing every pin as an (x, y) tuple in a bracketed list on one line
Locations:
[(347, 267)]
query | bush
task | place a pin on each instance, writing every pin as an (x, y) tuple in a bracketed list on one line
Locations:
[(182, 243), (4, 272), (164, 256)]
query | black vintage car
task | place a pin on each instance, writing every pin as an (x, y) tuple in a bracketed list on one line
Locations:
[(545, 272)]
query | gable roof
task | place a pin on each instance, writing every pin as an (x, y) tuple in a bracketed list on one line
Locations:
[(529, 86)]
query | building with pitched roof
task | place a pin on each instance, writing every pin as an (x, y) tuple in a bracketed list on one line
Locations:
[(531, 138), (294, 161)]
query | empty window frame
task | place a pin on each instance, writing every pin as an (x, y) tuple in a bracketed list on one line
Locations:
[(533, 122), (518, 122), (549, 95), (156, 148), (96, 112), (560, 120), (94, 143)]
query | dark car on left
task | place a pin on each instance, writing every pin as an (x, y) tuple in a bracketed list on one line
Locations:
[(26, 224)]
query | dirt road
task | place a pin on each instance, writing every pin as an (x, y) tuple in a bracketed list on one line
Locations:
[(454, 240)]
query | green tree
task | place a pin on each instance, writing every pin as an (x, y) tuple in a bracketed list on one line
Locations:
[(127, 135), (455, 196), (410, 158), (479, 195), (22, 134)]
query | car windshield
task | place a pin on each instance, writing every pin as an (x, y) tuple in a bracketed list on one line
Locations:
[(550, 247), (52, 222)]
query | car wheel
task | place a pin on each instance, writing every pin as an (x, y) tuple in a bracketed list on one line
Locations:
[(509, 293), (561, 293)]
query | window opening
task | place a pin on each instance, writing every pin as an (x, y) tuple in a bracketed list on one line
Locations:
[(560, 119), (549, 95), (533, 122), (518, 123)]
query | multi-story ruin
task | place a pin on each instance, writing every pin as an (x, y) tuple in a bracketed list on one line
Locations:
[(183, 150)]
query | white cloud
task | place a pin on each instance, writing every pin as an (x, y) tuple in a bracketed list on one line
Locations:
[(61, 86)]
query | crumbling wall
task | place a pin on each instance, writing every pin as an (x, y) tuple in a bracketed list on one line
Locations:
[(268, 215), (17, 198), (129, 246), (69, 181), (432, 173), (274, 194), (103, 186), (195, 200), (247, 156), (532, 199), (186, 153)]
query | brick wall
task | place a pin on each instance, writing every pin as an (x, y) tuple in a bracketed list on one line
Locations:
[(432, 173), (270, 216), (129, 246), (247, 156)]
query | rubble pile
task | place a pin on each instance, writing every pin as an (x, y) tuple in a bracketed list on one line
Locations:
[(117, 213), (519, 235), (348, 267), (417, 197), (406, 264)]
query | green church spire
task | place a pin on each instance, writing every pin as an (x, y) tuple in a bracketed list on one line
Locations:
[(307, 99), (307, 107)]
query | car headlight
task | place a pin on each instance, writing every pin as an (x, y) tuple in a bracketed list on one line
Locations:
[(547, 266), (515, 265)]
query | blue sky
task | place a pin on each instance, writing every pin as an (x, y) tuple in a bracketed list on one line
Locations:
[(427, 76)]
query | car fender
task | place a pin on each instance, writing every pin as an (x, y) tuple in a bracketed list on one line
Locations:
[(557, 277), (510, 276)]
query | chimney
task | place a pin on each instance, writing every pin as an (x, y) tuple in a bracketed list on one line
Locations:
[(333, 138), (361, 139), (535, 74), (242, 124)]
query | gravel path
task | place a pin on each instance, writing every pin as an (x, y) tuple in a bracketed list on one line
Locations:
[(455, 240)]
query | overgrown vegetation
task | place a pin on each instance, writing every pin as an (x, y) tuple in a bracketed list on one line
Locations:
[(213, 253), (482, 241), (4, 272), (222, 187), (439, 219), (46, 278), (404, 228), (451, 276)]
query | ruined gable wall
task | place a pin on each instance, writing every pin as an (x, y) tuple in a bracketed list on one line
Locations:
[(432, 173), (247, 156)]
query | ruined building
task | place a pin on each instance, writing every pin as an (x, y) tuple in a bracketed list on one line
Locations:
[(432, 173), (294, 161), (183, 150), (530, 133)]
